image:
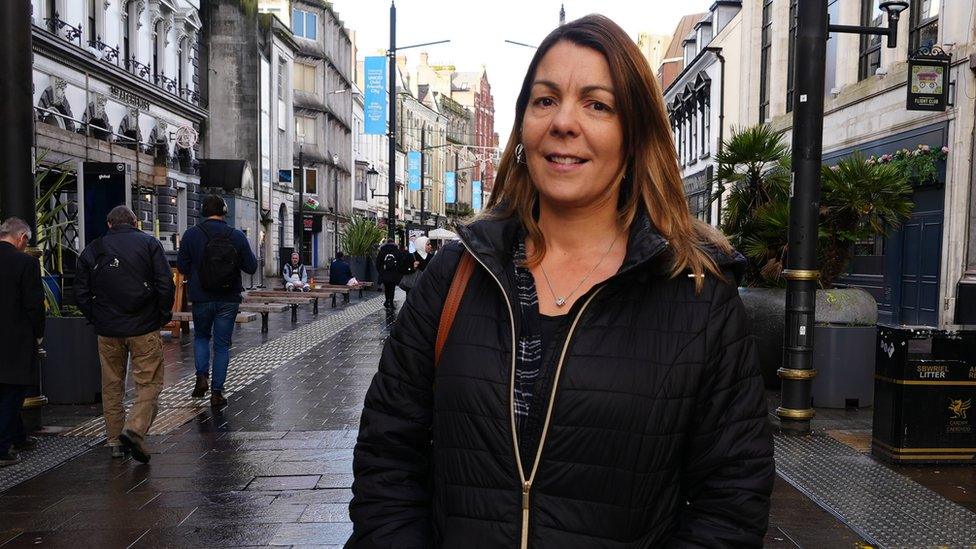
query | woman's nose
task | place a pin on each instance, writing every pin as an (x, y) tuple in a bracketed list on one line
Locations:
[(565, 122)]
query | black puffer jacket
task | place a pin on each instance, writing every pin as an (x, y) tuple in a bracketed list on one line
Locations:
[(657, 436), (122, 311)]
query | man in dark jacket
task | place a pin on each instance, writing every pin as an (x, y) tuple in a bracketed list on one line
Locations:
[(214, 310), (388, 263), (21, 329), (124, 286), (339, 271)]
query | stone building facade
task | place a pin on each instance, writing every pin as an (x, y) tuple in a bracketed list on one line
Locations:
[(918, 272), (323, 111), (248, 58), (118, 82)]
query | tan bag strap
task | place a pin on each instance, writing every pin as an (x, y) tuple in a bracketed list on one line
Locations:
[(458, 284)]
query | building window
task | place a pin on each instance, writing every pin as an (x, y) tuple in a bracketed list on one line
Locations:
[(923, 24), (311, 180), (361, 185), (126, 42), (159, 52), (870, 50), (830, 75), (92, 23), (304, 77), (703, 110), (282, 77), (304, 24), (765, 60), (305, 129), (790, 64)]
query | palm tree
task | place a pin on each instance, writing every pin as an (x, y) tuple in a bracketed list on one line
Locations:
[(859, 199), (753, 184)]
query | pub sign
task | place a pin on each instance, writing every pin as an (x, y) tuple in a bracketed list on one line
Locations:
[(928, 79)]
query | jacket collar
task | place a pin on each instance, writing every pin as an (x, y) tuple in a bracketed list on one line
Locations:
[(121, 228), (490, 240)]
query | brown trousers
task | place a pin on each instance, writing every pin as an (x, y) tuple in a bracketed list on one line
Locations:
[(145, 353)]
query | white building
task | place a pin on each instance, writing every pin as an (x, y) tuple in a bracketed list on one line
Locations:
[(922, 273), (118, 82)]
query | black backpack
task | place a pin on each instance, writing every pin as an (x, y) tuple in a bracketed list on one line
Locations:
[(114, 279), (220, 269), (390, 262)]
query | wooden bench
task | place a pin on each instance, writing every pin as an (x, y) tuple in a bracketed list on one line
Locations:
[(263, 309), (294, 302), (344, 290), (285, 294), (242, 318), (184, 318)]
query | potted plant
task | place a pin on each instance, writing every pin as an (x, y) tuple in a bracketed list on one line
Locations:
[(752, 183), (71, 372), (358, 239), (860, 198)]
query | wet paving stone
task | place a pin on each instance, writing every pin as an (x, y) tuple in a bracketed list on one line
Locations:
[(326, 512), (303, 482), (320, 533), (115, 537), (241, 535)]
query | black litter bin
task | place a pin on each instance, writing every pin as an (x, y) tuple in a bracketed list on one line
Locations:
[(924, 391)]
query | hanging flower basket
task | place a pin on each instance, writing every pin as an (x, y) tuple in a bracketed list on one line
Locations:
[(920, 166)]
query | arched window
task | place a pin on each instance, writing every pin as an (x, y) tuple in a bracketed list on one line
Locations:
[(159, 52)]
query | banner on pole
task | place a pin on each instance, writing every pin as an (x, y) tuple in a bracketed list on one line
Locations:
[(413, 170), (476, 196), (374, 96), (450, 189)]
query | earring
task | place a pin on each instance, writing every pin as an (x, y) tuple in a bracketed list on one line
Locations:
[(519, 156)]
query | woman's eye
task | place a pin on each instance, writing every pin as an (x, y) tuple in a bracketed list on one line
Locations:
[(602, 107), (545, 102)]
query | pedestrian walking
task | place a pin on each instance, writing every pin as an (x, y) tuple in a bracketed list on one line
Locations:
[(388, 264), (417, 262), (124, 287), (21, 331), (295, 275), (590, 380), (212, 257), (339, 271)]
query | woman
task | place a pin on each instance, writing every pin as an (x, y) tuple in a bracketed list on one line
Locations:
[(597, 388), (423, 255)]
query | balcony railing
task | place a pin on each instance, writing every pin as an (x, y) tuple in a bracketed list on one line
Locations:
[(61, 28), (73, 34), (109, 53)]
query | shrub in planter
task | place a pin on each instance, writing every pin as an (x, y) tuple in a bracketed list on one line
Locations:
[(358, 239), (860, 199)]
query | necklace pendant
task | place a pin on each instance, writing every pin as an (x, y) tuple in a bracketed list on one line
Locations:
[(560, 301)]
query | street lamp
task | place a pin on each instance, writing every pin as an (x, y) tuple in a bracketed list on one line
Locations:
[(801, 273), (893, 8), (301, 197), (335, 212), (371, 177)]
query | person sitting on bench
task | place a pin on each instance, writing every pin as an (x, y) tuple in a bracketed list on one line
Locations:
[(295, 275), (339, 272)]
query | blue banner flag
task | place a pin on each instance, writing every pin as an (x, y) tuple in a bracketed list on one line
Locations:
[(413, 170), (450, 189), (476, 196), (374, 96)]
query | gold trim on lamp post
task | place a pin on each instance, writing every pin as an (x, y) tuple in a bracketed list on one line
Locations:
[(791, 413), (793, 373), (798, 274)]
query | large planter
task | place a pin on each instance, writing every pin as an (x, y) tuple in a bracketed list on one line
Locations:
[(359, 268), (836, 359), (71, 373)]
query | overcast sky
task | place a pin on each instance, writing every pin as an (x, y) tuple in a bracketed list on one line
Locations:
[(478, 30)]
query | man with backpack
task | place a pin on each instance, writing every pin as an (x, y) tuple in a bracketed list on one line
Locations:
[(212, 256), (124, 286), (388, 263)]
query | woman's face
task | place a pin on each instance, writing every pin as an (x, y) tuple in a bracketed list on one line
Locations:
[(571, 132)]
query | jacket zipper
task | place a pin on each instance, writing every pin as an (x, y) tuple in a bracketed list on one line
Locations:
[(527, 483)]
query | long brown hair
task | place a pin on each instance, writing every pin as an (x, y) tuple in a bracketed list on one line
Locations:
[(651, 177)]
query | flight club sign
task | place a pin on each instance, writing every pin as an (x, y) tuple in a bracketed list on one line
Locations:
[(928, 80)]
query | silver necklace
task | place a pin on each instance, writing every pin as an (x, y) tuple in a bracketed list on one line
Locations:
[(560, 301)]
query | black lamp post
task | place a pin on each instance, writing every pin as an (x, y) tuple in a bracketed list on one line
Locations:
[(335, 202), (802, 275)]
